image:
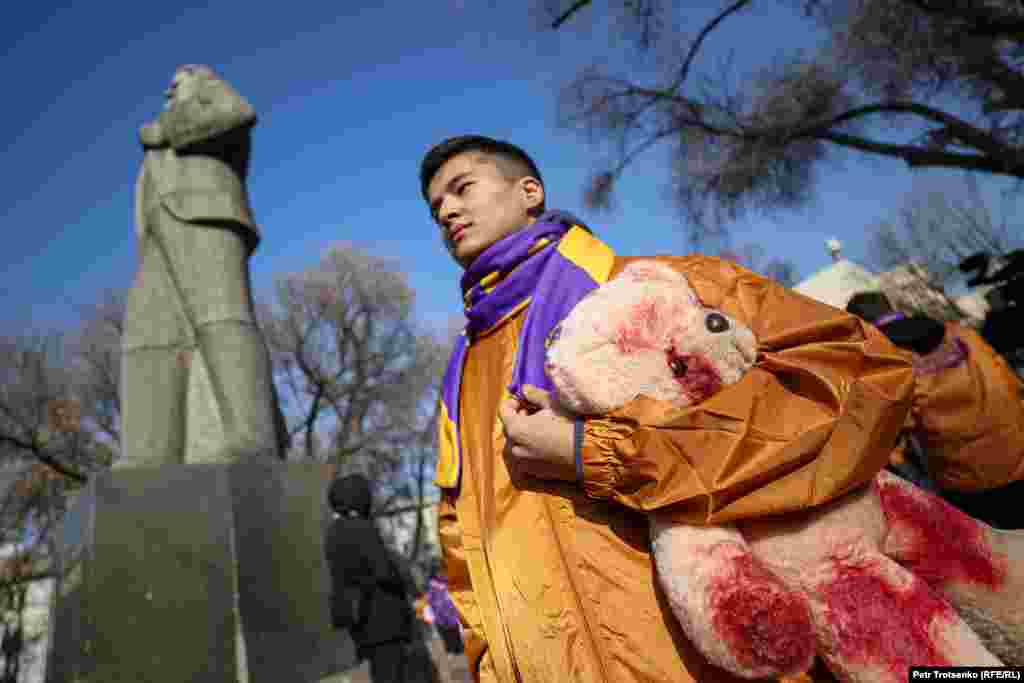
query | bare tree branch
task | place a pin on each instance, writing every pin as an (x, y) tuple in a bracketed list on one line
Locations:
[(959, 128), (36, 450), (567, 14), (953, 97), (708, 28), (916, 157), (405, 509)]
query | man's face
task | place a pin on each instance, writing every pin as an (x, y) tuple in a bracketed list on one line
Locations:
[(182, 87), (475, 205)]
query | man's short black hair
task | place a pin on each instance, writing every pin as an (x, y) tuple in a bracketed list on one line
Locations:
[(512, 161), (869, 305)]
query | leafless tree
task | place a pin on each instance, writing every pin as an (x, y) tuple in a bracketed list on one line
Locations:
[(755, 258), (96, 363), (34, 377), (357, 375), (46, 452), (937, 227), (59, 423), (929, 82)]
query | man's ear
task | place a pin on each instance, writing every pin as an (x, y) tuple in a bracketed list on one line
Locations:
[(533, 193)]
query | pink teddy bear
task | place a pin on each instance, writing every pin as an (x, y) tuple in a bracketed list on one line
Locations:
[(763, 602)]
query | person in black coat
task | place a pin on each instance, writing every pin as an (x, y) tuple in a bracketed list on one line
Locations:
[(997, 505), (368, 595), (916, 333), (11, 650)]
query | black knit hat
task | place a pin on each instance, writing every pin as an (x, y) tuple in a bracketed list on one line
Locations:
[(869, 305), (351, 493)]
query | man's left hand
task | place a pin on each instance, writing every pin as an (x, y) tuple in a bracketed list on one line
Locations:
[(538, 440)]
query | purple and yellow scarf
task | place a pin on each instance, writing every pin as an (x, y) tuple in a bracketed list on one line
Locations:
[(548, 266)]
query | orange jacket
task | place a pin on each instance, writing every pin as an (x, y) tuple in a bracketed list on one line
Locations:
[(555, 583), (969, 417)]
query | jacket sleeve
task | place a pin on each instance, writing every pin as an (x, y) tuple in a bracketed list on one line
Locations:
[(817, 416), (969, 415), (460, 588)]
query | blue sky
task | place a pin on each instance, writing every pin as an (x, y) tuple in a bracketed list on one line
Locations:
[(349, 100)]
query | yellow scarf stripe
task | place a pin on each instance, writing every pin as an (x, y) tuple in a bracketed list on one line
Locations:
[(490, 281), (447, 473), (520, 306), (588, 252), (538, 245)]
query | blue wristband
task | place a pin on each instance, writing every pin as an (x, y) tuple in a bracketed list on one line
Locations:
[(578, 449)]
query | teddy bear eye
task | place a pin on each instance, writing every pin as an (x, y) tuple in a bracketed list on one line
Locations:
[(716, 323), (678, 366)]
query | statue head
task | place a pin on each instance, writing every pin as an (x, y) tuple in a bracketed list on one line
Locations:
[(201, 106), (186, 83)]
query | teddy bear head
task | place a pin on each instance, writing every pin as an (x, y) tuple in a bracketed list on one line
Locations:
[(644, 332)]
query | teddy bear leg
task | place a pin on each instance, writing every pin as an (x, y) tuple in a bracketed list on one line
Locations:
[(980, 570), (740, 615), (875, 620)]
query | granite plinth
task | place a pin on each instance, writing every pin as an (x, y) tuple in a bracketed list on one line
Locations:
[(201, 573)]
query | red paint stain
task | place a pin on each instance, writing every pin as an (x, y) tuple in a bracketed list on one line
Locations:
[(701, 379), (764, 623), (948, 546), (638, 331), (878, 624)]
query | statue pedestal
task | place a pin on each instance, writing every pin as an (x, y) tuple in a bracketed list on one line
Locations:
[(200, 573)]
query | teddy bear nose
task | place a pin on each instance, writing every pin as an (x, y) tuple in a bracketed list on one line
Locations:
[(716, 323)]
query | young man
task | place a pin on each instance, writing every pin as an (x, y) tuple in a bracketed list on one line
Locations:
[(542, 525), (968, 411)]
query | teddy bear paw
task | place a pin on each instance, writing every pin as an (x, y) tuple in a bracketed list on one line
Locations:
[(737, 612), (764, 626)]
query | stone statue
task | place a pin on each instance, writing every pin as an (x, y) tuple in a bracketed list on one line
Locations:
[(196, 381)]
